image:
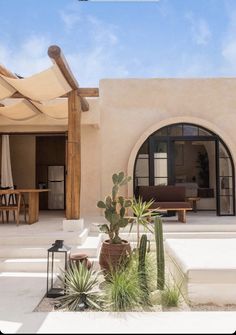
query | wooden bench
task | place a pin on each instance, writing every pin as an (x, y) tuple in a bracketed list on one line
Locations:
[(167, 198)]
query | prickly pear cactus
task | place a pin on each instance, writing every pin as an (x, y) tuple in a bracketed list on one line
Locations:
[(114, 208)]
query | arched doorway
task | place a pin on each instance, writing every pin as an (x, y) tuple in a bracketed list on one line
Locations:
[(192, 156)]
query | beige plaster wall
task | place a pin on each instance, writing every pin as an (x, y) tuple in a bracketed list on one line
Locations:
[(23, 160), (125, 114), (134, 108), (91, 170)]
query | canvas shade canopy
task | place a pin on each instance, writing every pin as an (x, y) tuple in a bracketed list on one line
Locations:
[(51, 97)]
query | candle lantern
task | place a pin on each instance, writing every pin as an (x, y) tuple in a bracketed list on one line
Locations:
[(58, 259)]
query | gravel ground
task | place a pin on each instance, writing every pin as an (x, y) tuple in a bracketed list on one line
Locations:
[(47, 305)]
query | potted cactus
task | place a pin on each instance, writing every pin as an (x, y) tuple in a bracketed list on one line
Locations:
[(114, 249)]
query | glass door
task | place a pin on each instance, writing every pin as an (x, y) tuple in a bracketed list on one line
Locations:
[(225, 182), (159, 169)]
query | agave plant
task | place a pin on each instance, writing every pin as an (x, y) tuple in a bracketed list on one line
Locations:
[(142, 215), (81, 286)]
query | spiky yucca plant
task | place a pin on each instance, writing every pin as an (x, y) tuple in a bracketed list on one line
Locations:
[(81, 288), (142, 215)]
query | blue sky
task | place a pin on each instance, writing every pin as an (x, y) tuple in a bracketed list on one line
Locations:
[(165, 38)]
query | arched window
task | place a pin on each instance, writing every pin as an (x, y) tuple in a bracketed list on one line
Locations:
[(192, 156)]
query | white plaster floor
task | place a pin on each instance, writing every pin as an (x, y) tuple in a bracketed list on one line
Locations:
[(21, 292)]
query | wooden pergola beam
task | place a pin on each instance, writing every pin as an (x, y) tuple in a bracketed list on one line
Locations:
[(55, 53), (88, 92)]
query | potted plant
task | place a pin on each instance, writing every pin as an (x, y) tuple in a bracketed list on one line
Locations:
[(115, 206)]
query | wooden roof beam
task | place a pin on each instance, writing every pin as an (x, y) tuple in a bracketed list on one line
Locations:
[(55, 53), (88, 92)]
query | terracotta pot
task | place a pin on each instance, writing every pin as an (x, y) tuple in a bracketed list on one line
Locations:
[(111, 255), (80, 258)]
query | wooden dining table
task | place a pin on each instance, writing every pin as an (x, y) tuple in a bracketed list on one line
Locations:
[(33, 197)]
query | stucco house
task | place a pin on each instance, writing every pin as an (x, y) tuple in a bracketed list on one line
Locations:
[(159, 131)]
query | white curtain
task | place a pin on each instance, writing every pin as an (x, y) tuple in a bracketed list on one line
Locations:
[(6, 172)]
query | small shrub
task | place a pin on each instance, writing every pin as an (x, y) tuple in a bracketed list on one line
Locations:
[(81, 286), (170, 296), (122, 290)]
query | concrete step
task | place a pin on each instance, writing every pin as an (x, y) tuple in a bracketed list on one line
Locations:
[(33, 265), (14, 251), (23, 274), (187, 235), (203, 226), (90, 247), (70, 238), (25, 264)]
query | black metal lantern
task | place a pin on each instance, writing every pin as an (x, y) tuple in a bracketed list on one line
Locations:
[(55, 289)]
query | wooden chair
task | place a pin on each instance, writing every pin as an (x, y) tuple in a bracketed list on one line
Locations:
[(11, 203)]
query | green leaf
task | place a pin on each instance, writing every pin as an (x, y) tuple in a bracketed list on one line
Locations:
[(104, 228), (121, 177), (114, 191), (123, 222), (128, 203), (115, 178), (108, 201), (122, 211), (115, 219), (121, 200), (108, 215), (101, 204)]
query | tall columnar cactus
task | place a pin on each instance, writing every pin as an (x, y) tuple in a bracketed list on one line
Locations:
[(160, 254), (142, 267)]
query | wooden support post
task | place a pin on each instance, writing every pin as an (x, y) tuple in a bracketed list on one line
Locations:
[(73, 177)]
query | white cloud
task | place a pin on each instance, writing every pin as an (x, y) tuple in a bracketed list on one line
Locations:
[(98, 59), (35, 46), (28, 58), (71, 16), (200, 31), (4, 54), (228, 49), (104, 33), (229, 52)]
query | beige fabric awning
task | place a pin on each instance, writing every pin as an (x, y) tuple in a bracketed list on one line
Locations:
[(41, 99), (56, 109), (6, 90), (43, 86), (18, 109)]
